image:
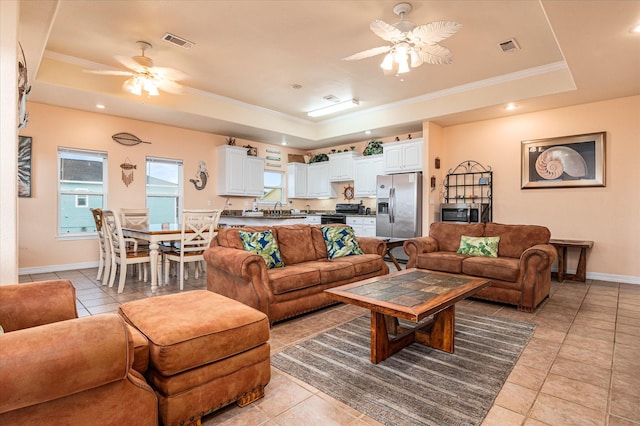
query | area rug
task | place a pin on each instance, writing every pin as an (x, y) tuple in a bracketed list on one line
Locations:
[(418, 385)]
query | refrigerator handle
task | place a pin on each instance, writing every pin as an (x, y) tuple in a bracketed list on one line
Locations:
[(392, 205)]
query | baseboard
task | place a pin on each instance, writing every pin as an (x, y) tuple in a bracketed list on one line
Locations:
[(57, 268), (627, 279)]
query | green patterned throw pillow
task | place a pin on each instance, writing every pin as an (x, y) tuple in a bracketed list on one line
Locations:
[(340, 241), (265, 245), (479, 246)]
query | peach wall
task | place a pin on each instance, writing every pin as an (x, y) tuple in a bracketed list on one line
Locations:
[(52, 127), (607, 215), (581, 213)]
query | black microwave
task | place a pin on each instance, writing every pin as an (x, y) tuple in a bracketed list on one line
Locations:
[(465, 213)]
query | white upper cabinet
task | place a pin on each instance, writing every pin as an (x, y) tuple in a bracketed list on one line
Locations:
[(318, 184), (238, 173), (309, 180), (341, 166), (366, 170), (403, 156), (296, 180)]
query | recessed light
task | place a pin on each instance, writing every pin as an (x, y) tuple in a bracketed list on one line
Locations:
[(283, 143), (511, 107), (635, 29), (367, 132), (100, 106)]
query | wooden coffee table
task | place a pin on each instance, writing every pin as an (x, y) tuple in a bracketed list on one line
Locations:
[(414, 295)]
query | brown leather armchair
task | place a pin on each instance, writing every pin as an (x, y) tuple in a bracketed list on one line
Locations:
[(56, 368)]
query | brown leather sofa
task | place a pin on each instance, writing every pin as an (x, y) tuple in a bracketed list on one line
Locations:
[(297, 287), (58, 369), (520, 275)]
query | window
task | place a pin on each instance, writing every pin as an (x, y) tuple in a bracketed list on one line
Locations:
[(273, 187), (82, 201), (82, 184), (164, 190)]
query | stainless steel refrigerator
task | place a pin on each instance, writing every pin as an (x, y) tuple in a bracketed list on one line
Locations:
[(399, 208)]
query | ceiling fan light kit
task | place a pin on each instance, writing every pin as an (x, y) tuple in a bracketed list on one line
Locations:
[(144, 76), (411, 45)]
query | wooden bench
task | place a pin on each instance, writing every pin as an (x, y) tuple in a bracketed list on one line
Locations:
[(562, 246)]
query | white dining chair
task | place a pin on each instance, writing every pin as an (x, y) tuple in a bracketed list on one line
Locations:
[(120, 253), (104, 247), (198, 228)]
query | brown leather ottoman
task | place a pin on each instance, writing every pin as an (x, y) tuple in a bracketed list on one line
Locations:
[(205, 351)]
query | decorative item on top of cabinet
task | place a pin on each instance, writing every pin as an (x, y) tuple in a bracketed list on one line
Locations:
[(251, 150), (374, 147), (319, 158), (231, 141), (200, 182)]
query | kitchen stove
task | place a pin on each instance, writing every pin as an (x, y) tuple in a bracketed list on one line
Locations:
[(340, 216)]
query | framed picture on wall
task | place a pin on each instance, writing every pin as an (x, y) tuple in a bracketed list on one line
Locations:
[(24, 166), (564, 162)]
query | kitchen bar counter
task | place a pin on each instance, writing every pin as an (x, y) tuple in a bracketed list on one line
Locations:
[(236, 220)]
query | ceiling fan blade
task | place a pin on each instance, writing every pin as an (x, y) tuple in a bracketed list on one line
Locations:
[(386, 32), (434, 54), (170, 86), (368, 53), (168, 73), (433, 32), (130, 63), (109, 72)]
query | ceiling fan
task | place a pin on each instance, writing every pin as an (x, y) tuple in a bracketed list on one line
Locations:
[(410, 44), (144, 76)]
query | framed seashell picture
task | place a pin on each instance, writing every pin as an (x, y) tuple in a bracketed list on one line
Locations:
[(564, 162)]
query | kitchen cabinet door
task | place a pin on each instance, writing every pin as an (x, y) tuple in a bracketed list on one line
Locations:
[(238, 173), (254, 176), (366, 170), (403, 156), (318, 184), (297, 180), (341, 166)]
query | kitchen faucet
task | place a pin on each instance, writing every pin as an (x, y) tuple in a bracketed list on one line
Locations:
[(275, 207)]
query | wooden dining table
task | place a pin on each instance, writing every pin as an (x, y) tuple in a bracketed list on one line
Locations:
[(154, 234)]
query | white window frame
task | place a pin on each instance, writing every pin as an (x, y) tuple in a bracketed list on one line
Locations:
[(68, 153), (281, 188), (180, 196)]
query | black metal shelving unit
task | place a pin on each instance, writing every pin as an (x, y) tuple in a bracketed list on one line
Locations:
[(472, 183)]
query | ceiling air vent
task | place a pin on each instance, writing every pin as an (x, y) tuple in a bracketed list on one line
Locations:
[(509, 46), (178, 41), (331, 98)]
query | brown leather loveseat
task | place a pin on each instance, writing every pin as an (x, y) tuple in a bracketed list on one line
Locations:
[(296, 288), (58, 369), (521, 273)]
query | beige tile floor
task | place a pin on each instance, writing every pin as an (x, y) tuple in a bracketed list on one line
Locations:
[(582, 366)]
